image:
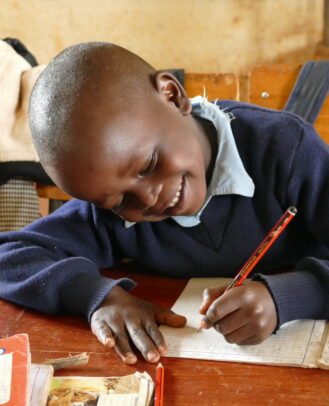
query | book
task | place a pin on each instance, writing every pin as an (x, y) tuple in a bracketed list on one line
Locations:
[(130, 390), (40, 381), (15, 362), (300, 343), (22, 383)]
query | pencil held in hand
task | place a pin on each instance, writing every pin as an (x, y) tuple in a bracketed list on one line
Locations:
[(260, 251), (256, 256)]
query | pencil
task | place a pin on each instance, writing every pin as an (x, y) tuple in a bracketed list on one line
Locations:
[(159, 385), (260, 251)]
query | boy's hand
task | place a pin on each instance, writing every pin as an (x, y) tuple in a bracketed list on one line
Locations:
[(122, 318), (244, 315)]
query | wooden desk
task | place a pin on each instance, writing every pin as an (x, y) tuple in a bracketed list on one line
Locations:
[(188, 382)]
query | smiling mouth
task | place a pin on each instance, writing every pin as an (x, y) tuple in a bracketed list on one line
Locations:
[(172, 205), (176, 198)]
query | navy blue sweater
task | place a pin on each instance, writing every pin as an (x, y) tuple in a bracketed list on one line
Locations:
[(52, 265)]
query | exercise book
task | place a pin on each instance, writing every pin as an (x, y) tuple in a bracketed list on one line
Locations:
[(300, 343)]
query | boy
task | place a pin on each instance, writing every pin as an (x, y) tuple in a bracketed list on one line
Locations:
[(186, 188)]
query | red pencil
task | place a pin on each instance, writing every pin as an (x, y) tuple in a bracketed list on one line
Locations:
[(159, 385), (258, 254)]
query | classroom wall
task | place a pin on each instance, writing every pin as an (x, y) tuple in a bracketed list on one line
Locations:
[(197, 35), (200, 36)]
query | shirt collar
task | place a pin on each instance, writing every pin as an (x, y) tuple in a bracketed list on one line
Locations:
[(229, 175)]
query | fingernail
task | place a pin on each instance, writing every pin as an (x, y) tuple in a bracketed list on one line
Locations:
[(152, 356), (130, 358), (162, 349), (204, 324), (203, 304), (109, 342)]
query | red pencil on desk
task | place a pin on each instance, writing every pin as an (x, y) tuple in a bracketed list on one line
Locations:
[(159, 385), (258, 254)]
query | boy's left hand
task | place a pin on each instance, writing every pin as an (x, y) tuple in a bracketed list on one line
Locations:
[(244, 315)]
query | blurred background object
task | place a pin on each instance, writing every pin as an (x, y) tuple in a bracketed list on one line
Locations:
[(199, 36)]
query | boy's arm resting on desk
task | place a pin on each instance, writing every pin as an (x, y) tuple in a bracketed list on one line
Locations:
[(303, 293), (122, 318), (53, 264)]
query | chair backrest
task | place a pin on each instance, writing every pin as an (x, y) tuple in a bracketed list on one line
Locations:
[(271, 85), (51, 192), (214, 85)]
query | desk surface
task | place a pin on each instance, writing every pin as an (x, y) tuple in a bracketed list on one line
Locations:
[(187, 381)]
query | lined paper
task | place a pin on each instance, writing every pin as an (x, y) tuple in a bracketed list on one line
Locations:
[(298, 343)]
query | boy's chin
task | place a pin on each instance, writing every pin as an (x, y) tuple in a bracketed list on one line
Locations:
[(176, 213)]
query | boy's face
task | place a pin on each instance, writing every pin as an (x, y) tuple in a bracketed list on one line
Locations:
[(146, 164)]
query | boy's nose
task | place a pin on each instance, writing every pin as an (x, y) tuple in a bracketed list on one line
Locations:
[(148, 194)]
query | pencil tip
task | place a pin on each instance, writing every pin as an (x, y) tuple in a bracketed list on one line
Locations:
[(159, 365)]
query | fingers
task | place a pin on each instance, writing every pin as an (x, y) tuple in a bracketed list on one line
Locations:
[(148, 340), (244, 315), (124, 320), (230, 323), (118, 340), (157, 338), (102, 331), (123, 349), (169, 318), (241, 336), (245, 335), (208, 297), (221, 307)]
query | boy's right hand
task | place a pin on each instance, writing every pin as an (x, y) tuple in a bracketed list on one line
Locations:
[(122, 317)]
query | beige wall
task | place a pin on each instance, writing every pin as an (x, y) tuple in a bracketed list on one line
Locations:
[(198, 35)]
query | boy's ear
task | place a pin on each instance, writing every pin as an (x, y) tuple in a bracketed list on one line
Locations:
[(169, 87)]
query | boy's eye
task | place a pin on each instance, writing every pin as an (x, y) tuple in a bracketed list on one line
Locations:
[(150, 166)]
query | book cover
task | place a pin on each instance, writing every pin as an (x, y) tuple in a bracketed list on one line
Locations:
[(14, 370), (129, 390)]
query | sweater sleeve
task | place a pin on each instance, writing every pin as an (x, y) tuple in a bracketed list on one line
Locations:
[(304, 292), (53, 264)]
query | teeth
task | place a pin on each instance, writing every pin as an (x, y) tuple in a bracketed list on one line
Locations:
[(176, 197)]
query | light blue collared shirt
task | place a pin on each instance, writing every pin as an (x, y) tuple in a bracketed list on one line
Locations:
[(229, 175)]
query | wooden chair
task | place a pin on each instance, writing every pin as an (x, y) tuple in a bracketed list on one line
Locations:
[(271, 85), (215, 86)]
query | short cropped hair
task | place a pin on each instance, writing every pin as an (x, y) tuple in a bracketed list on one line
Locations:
[(79, 72)]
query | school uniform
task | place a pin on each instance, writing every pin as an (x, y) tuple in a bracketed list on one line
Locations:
[(272, 160)]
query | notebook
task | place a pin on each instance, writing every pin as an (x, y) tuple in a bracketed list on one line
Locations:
[(300, 343)]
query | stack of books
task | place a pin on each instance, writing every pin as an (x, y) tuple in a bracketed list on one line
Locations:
[(23, 383)]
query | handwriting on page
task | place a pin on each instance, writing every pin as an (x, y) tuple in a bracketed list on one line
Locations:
[(296, 343)]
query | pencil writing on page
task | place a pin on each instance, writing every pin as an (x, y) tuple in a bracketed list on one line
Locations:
[(264, 246), (159, 385)]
